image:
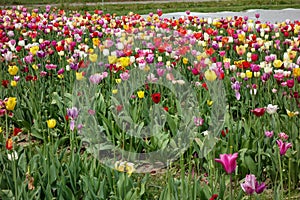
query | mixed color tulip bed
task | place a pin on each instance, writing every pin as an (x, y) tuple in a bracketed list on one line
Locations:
[(99, 106)]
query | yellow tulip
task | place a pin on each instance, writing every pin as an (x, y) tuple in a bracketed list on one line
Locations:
[(210, 75), (124, 61), (249, 74), (11, 103), (118, 80), (125, 167), (0, 129), (277, 63), (114, 91), (79, 76), (93, 57), (141, 94), (291, 114), (51, 123), (296, 72), (96, 41), (35, 67), (13, 83), (112, 59), (209, 102), (13, 70), (34, 49), (185, 61)]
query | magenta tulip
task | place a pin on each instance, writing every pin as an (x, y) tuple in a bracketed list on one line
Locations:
[(228, 161), (283, 146)]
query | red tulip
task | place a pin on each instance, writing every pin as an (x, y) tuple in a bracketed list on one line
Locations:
[(9, 144), (156, 97), (17, 131), (5, 83), (259, 111)]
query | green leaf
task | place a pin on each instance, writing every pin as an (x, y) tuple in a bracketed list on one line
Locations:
[(251, 164)]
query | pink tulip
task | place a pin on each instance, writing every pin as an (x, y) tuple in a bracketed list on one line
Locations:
[(269, 134), (251, 185), (283, 146), (228, 161)]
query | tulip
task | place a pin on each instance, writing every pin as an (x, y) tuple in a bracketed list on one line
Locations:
[(269, 134), (72, 112), (259, 111), (210, 75), (11, 103), (277, 63), (291, 113), (271, 109), (51, 123), (16, 131), (283, 136), (79, 76), (13, 70), (290, 83), (125, 167), (259, 188), (283, 146), (156, 97), (141, 94), (228, 162), (198, 121), (9, 144), (12, 156), (124, 76), (251, 185)]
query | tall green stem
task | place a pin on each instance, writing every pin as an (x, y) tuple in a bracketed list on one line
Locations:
[(281, 180), (231, 189)]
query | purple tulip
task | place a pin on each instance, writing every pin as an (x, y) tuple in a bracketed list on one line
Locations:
[(72, 112), (259, 188), (61, 71), (228, 161), (283, 146)]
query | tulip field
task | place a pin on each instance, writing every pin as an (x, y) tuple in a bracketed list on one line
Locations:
[(102, 106)]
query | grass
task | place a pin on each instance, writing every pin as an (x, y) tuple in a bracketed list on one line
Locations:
[(123, 9)]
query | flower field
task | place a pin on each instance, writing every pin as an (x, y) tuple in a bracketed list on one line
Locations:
[(99, 106)]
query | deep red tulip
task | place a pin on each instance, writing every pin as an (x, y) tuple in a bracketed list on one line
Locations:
[(259, 111), (156, 97), (17, 131)]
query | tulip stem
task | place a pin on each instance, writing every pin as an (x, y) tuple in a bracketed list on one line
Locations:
[(290, 178), (231, 186), (280, 171)]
